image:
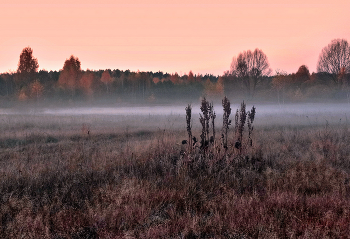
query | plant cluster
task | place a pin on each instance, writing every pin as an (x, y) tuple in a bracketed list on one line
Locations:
[(241, 118), (207, 120)]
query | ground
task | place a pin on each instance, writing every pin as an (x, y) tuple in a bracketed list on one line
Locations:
[(92, 176)]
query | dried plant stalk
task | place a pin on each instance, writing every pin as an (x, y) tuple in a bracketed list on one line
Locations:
[(226, 122), (189, 126), (242, 120), (251, 116), (204, 120), (212, 116)]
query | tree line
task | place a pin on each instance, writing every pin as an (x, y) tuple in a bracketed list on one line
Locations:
[(249, 76)]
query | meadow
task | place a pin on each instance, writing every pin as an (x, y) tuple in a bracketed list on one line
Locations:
[(129, 176)]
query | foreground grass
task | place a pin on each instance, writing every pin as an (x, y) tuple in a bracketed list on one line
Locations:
[(293, 183)]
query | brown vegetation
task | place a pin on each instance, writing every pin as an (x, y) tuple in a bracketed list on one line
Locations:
[(114, 183)]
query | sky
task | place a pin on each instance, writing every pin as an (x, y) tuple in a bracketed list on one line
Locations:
[(170, 36)]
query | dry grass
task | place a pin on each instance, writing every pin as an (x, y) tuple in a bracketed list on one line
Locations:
[(59, 182)]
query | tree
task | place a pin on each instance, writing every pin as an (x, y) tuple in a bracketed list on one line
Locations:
[(86, 82), (175, 78), (250, 67), (106, 79), (70, 74), (279, 83), (36, 89), (302, 75), (27, 66), (190, 76), (8, 83), (156, 80), (334, 57)]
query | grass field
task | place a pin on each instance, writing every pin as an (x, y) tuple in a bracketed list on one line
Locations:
[(130, 177)]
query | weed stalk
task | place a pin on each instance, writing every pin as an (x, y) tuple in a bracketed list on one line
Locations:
[(226, 122), (189, 126), (204, 120), (212, 116)]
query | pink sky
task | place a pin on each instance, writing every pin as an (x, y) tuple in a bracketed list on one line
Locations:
[(170, 36)]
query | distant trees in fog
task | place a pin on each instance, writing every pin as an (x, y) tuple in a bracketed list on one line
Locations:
[(249, 76)]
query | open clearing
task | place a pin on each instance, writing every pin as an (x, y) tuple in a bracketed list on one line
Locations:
[(123, 173)]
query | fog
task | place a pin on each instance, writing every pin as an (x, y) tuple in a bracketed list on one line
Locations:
[(173, 116), (307, 109)]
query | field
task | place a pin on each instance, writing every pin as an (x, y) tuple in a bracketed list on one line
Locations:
[(130, 176)]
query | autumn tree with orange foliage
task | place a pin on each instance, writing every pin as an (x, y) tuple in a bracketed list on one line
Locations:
[(175, 78), (190, 76), (36, 89), (70, 75), (213, 89), (27, 67), (86, 82), (106, 79), (220, 86), (155, 80)]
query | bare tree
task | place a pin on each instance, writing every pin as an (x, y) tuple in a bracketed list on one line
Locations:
[(334, 57), (250, 67)]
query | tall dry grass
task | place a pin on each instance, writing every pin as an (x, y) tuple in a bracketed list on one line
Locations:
[(139, 183)]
